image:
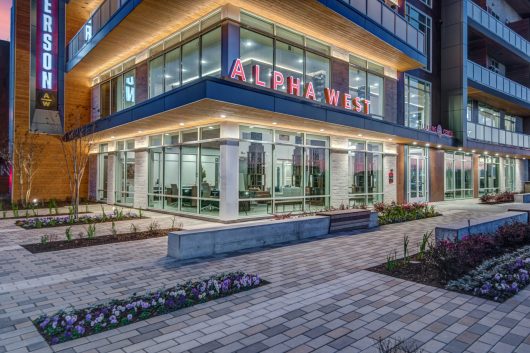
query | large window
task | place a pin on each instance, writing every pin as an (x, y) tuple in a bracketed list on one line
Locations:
[(488, 116), (125, 165), (365, 172), (367, 84), (488, 168), (509, 174), (288, 52), (423, 23), (184, 172), (417, 103), (281, 171), (117, 94), (458, 176)]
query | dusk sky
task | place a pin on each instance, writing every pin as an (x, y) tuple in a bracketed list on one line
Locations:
[(5, 17)]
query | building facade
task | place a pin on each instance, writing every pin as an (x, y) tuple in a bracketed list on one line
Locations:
[(235, 109), (4, 114)]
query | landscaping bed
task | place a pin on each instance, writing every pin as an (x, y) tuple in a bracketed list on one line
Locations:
[(36, 215), (49, 243), (493, 199), (397, 213), (71, 324), (54, 221), (492, 266)]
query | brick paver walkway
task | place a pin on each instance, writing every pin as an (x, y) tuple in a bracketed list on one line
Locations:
[(320, 297)]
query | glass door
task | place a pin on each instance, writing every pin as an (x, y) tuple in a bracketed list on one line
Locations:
[(417, 175)]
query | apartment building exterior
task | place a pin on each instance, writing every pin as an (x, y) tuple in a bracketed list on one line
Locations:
[(4, 113), (235, 109)]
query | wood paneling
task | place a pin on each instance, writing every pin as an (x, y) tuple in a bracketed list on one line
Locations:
[(498, 103), (154, 20), (401, 175), (50, 180), (436, 175)]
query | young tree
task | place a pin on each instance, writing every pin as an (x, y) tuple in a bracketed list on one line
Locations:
[(24, 156), (76, 145)]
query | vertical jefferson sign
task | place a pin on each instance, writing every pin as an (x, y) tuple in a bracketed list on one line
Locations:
[(46, 68)]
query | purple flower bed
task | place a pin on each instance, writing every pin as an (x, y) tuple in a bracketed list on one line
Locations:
[(497, 279), (70, 324), (48, 222)]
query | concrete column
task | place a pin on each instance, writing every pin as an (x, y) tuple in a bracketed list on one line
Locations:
[(339, 191), (390, 163), (502, 176), (92, 176), (229, 181), (141, 161), (111, 179)]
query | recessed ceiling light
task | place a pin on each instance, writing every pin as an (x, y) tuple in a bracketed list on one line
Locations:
[(223, 116), (414, 143), (486, 152), (112, 137), (140, 131), (460, 148), (473, 151), (389, 139), (427, 144), (439, 146), (181, 124), (360, 135), (322, 130), (274, 123), (496, 154)]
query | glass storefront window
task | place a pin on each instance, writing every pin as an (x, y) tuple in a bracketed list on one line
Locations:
[(209, 178), (375, 89), (104, 105), (189, 176), (488, 175), (211, 53), (117, 94), (102, 172), (257, 49), (317, 171), (358, 83), (367, 85), (458, 175), (365, 173), (417, 103), (190, 61)]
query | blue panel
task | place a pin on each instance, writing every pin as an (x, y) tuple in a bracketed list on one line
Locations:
[(234, 92)]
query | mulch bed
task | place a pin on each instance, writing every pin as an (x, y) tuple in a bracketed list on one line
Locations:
[(22, 215), (414, 271), (102, 240)]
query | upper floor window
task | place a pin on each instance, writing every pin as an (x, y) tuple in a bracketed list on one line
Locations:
[(117, 94), (469, 111), (496, 66), (488, 116), (423, 23), (512, 123), (284, 56), (366, 81), (427, 2), (417, 103)]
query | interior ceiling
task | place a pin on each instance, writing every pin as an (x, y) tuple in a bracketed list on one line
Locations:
[(495, 50), (154, 20)]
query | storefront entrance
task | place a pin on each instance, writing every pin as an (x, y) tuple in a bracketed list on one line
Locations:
[(417, 174)]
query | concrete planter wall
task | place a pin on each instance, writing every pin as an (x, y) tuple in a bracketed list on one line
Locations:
[(207, 242)]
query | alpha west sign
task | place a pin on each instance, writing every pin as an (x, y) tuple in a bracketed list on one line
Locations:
[(294, 87), (45, 50)]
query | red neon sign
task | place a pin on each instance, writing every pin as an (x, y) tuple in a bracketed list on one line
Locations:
[(332, 96)]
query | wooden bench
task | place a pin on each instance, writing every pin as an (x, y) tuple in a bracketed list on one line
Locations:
[(344, 220), (483, 225)]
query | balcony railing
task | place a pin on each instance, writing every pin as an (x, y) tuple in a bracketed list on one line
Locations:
[(101, 16), (390, 20), (498, 28), (497, 82), (497, 136)]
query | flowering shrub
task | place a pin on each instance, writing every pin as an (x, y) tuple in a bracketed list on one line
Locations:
[(502, 197), (47, 222), (498, 278), (396, 213), (70, 324)]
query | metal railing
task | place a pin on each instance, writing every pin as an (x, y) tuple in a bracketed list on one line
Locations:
[(482, 75), (390, 20), (494, 135), (101, 16), (482, 17)]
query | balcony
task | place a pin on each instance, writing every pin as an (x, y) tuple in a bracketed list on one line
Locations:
[(497, 136), (482, 21), (499, 85), (382, 21)]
